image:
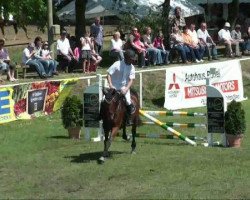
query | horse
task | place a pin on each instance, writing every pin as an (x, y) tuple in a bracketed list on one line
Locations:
[(7, 22), (113, 112)]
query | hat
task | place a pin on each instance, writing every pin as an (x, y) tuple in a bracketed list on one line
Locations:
[(237, 26), (227, 24), (130, 54), (64, 32)]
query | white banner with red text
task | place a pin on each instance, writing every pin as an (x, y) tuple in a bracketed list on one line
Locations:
[(185, 87)]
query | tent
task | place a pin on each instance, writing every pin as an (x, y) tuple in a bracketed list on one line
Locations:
[(139, 8)]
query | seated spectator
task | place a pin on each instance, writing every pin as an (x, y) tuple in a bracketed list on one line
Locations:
[(159, 44), (5, 63), (154, 54), (48, 66), (193, 47), (247, 42), (86, 51), (95, 57), (226, 39), (46, 55), (207, 42), (65, 55), (77, 53), (196, 42), (178, 44), (28, 58), (133, 46), (236, 35), (116, 49), (139, 44)]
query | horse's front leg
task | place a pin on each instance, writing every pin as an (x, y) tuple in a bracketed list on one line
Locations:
[(106, 144), (108, 140), (133, 144)]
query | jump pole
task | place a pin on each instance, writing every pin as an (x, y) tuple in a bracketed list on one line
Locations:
[(174, 113), (164, 126), (180, 125)]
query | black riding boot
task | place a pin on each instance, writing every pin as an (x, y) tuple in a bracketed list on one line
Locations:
[(130, 111)]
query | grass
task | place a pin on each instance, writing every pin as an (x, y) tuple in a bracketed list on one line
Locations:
[(38, 161)]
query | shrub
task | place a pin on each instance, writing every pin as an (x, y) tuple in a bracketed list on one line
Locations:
[(235, 122), (72, 112)]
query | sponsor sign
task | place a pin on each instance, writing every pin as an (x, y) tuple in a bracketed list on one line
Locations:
[(185, 87)]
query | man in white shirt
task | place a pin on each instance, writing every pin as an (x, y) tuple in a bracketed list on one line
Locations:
[(225, 38), (207, 42), (121, 76), (64, 52)]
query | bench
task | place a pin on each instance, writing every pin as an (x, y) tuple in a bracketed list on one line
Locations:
[(25, 70)]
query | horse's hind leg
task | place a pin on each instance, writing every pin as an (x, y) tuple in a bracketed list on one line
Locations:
[(133, 145), (124, 134)]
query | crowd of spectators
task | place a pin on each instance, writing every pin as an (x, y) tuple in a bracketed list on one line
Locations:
[(185, 42)]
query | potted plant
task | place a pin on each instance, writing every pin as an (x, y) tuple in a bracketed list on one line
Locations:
[(235, 123), (72, 116)]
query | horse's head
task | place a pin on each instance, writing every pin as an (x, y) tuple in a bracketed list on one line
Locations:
[(112, 105)]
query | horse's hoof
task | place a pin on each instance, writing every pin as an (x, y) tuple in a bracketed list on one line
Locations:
[(127, 138), (101, 160), (133, 152)]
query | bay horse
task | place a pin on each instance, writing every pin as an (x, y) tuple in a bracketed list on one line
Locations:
[(114, 115), (7, 22)]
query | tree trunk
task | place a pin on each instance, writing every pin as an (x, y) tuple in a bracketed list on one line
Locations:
[(234, 8), (80, 7), (165, 24)]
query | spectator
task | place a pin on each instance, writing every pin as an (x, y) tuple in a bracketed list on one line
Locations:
[(159, 44), (5, 63), (38, 55), (177, 20), (140, 45), (207, 42), (192, 46), (178, 44), (28, 58), (247, 42), (154, 54), (196, 42), (116, 49), (86, 51), (46, 55), (95, 57), (226, 39), (236, 35), (65, 55), (96, 31), (130, 44)]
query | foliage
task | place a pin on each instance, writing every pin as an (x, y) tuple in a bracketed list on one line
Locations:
[(26, 11), (235, 122), (72, 112)]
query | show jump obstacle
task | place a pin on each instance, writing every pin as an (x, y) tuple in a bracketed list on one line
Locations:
[(164, 126)]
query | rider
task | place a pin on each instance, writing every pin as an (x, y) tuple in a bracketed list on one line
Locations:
[(120, 77)]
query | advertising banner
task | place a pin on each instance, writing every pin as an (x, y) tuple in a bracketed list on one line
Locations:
[(185, 87), (26, 101)]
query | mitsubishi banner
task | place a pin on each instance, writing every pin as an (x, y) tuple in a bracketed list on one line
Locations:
[(185, 87)]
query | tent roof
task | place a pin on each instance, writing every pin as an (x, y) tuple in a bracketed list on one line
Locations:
[(139, 8), (216, 1)]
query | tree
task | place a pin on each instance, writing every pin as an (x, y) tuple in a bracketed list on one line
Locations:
[(26, 11), (80, 8), (234, 8), (165, 23)]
